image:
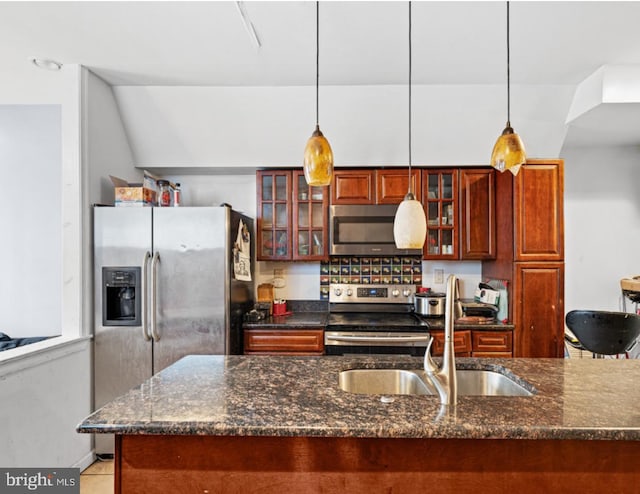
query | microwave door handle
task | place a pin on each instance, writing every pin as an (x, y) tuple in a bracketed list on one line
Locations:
[(154, 296), (379, 339), (145, 295)]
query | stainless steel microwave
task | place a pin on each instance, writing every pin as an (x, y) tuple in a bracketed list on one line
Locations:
[(364, 230)]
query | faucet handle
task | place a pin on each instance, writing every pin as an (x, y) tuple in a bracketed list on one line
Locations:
[(430, 366)]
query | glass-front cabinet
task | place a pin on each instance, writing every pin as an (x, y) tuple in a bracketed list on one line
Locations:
[(310, 209), (292, 217), (440, 197), (274, 215)]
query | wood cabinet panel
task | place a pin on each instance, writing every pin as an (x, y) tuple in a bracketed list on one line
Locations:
[(477, 213), (530, 251), (492, 341), (539, 309), (353, 187), (392, 185), (538, 212), (284, 342), (461, 343), (180, 464)]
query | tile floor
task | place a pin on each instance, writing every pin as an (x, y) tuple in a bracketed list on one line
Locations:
[(98, 478)]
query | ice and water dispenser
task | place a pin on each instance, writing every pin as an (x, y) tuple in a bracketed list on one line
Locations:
[(121, 294)]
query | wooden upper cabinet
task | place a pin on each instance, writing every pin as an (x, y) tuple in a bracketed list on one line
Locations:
[(440, 200), (274, 215), (538, 211), (292, 218), (353, 187), (392, 185), (477, 213), (310, 228)]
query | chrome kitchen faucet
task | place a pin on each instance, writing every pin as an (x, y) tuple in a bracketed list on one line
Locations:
[(444, 377)]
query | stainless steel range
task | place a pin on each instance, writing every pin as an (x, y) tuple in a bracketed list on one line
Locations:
[(374, 319)]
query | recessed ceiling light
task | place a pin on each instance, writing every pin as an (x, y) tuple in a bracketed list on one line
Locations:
[(45, 63)]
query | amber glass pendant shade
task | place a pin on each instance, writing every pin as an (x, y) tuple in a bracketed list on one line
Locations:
[(318, 160), (410, 224), (508, 152)]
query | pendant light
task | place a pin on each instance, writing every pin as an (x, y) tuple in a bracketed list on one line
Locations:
[(410, 223), (318, 157), (508, 152)]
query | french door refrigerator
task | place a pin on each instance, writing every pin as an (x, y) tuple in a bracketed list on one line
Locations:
[(169, 282)]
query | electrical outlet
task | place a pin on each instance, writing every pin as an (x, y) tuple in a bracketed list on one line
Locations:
[(438, 276)]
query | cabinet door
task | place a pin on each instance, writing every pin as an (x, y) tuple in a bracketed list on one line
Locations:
[(392, 185), (274, 215), (477, 213), (284, 342), (492, 342), (352, 187), (310, 220), (461, 342), (538, 297), (440, 197), (538, 211)]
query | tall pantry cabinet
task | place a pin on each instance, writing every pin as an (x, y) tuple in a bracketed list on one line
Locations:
[(530, 255)]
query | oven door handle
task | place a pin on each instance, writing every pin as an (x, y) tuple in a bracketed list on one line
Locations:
[(378, 339)]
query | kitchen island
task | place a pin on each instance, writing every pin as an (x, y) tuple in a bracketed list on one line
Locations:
[(282, 424)]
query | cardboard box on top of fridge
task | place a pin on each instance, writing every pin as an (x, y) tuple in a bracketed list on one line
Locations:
[(135, 194)]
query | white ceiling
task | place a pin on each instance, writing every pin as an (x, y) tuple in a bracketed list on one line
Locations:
[(206, 43)]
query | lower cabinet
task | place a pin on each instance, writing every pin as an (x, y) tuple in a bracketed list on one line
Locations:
[(476, 343), (538, 309), (284, 341)]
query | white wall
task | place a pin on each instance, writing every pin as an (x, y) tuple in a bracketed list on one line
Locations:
[(45, 393), (602, 224), (173, 126), (107, 150), (31, 164), (41, 405)]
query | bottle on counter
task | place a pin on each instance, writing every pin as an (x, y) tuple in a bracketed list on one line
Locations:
[(177, 195), (164, 194)]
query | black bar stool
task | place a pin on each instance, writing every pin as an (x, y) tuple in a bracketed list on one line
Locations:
[(602, 332)]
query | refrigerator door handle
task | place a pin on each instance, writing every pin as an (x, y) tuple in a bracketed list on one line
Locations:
[(145, 295), (154, 296)]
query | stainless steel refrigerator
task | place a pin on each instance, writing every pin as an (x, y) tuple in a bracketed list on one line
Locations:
[(169, 282)]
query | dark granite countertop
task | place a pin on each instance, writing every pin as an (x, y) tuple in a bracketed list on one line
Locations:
[(298, 320), (295, 320), (299, 396)]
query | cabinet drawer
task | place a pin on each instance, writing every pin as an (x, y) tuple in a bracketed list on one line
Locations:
[(492, 341), (297, 341), (461, 342)]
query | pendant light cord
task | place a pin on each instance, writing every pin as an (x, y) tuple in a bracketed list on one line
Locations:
[(410, 191), (508, 74), (317, 63)]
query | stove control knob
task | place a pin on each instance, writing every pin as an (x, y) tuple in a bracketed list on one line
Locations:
[(395, 293), (349, 292), (338, 291), (406, 292)]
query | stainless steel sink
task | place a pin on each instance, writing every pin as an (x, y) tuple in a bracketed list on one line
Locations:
[(415, 382), (488, 383), (383, 382)]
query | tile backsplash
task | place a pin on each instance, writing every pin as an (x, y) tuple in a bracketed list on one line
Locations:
[(370, 270)]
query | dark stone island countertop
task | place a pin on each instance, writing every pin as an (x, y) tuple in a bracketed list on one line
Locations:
[(299, 396)]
